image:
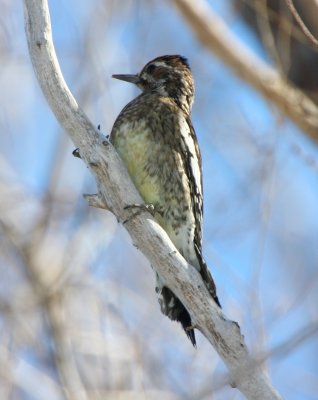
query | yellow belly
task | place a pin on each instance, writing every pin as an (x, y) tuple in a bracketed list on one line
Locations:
[(134, 150), (150, 169)]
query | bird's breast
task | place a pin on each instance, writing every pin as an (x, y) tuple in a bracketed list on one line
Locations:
[(157, 171), (137, 148)]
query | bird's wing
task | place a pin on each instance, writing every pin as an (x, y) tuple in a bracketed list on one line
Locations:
[(193, 164)]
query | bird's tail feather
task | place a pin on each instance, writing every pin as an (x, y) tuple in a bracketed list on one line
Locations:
[(172, 307)]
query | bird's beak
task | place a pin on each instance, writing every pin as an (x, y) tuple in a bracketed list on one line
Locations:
[(128, 78)]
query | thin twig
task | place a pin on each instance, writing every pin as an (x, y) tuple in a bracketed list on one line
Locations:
[(265, 29), (313, 41), (274, 17)]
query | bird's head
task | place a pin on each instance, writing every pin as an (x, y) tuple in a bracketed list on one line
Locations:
[(168, 76)]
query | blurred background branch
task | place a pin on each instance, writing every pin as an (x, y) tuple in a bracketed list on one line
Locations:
[(214, 35), (311, 38)]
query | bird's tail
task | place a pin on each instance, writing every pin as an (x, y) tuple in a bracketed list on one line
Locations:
[(172, 307)]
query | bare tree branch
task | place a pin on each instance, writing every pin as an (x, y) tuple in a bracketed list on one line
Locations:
[(94, 201), (312, 40), (294, 341), (52, 302), (116, 190), (215, 35)]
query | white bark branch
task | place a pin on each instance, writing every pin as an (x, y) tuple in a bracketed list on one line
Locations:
[(216, 36), (116, 190)]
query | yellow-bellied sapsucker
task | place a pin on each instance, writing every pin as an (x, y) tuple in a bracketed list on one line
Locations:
[(155, 138)]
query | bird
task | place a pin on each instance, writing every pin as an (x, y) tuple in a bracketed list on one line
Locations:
[(155, 139)]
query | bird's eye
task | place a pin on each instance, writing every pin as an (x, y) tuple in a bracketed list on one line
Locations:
[(151, 68)]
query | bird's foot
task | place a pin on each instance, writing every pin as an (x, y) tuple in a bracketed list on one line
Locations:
[(149, 207)]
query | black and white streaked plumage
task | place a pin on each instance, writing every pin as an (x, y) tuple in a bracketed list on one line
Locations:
[(155, 138)]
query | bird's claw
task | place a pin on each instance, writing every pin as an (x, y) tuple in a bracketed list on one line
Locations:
[(149, 207)]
